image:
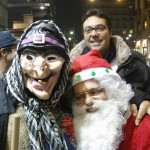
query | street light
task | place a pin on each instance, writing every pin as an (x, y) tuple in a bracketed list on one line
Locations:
[(69, 38), (71, 32), (130, 35), (91, 0)]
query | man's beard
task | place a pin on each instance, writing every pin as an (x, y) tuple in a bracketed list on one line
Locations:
[(100, 130)]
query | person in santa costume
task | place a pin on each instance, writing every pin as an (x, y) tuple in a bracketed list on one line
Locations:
[(102, 118)]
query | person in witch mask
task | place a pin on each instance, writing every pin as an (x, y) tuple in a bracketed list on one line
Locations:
[(32, 88)]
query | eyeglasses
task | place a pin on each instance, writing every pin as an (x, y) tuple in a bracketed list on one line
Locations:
[(95, 93), (98, 29)]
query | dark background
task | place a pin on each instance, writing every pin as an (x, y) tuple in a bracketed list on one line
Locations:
[(68, 16)]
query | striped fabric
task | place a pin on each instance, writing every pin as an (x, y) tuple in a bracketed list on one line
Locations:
[(40, 121)]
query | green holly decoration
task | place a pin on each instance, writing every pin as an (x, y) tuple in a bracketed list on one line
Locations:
[(93, 73), (78, 76), (107, 70)]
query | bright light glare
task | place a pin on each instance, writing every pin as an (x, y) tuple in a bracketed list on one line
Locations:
[(130, 35), (71, 32), (42, 7), (69, 38)]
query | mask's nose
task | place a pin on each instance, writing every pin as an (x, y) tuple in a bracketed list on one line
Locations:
[(40, 65)]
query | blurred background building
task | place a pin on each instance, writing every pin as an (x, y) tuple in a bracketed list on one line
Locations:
[(130, 18), (142, 27), (21, 13), (3, 14)]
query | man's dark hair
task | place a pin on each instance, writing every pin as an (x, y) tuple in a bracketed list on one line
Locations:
[(98, 13)]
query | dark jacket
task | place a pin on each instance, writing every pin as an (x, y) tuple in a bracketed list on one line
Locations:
[(131, 67), (135, 71), (7, 106)]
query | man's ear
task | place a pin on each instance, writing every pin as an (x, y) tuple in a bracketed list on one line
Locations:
[(2, 52)]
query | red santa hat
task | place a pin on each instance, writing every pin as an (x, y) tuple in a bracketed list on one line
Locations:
[(89, 66)]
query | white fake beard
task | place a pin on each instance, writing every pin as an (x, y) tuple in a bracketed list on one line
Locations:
[(101, 130)]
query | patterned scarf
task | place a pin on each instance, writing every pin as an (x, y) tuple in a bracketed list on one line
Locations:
[(39, 119)]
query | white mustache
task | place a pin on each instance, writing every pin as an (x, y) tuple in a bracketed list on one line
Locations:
[(97, 105)]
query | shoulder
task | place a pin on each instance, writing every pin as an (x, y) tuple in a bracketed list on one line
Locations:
[(77, 50), (138, 56)]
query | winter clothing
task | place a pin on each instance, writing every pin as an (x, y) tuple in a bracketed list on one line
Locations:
[(136, 137), (130, 65)]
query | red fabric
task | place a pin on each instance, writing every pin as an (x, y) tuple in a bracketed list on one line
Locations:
[(90, 60), (136, 137)]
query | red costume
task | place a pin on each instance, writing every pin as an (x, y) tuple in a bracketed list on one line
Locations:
[(136, 137)]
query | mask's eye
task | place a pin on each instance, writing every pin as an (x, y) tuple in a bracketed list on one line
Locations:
[(28, 54), (29, 57), (51, 57)]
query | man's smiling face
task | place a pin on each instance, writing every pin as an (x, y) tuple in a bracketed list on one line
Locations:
[(41, 70), (97, 34)]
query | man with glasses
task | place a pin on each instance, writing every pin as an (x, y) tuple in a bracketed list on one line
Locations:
[(102, 119), (8, 45), (130, 65)]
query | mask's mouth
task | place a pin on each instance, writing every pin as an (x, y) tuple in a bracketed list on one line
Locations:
[(42, 81)]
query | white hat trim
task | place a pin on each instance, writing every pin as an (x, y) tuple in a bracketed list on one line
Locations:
[(91, 73)]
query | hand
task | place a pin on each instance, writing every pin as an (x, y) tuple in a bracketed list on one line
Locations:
[(144, 108)]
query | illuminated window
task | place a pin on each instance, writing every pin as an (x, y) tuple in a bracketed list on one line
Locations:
[(145, 24), (130, 6), (124, 32), (131, 31)]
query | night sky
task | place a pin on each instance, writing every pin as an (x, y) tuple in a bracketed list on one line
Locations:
[(68, 15)]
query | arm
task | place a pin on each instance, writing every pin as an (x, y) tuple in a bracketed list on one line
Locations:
[(140, 104)]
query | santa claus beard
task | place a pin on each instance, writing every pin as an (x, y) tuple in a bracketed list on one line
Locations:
[(100, 130)]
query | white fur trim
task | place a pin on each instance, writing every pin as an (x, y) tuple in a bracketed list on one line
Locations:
[(122, 50), (87, 74)]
